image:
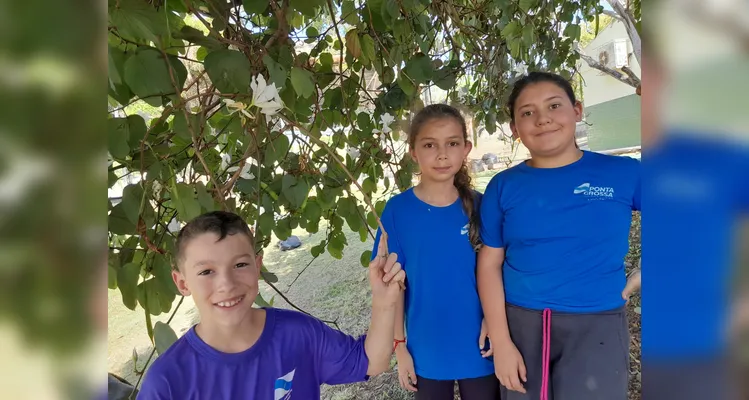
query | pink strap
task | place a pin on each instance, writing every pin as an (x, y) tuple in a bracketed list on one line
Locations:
[(546, 350)]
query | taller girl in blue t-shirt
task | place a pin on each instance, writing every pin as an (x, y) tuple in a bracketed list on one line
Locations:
[(433, 228), (551, 275)]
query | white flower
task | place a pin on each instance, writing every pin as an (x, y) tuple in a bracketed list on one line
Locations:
[(323, 168), (265, 96), (521, 69), (234, 106), (225, 161), (353, 153), (245, 173), (156, 188), (386, 119)]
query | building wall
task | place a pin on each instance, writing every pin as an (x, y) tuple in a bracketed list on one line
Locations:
[(614, 124), (598, 87)]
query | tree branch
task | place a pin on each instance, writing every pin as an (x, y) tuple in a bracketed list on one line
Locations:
[(283, 296), (628, 79), (629, 23)]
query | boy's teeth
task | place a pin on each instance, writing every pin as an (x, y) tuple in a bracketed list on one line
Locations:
[(229, 303)]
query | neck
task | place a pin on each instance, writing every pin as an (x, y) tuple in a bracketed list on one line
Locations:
[(436, 193), (233, 338), (559, 160)]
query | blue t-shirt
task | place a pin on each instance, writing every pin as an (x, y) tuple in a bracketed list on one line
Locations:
[(694, 190), (294, 355), (565, 231), (442, 307)]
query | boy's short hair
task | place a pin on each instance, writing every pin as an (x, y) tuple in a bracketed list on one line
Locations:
[(222, 223)]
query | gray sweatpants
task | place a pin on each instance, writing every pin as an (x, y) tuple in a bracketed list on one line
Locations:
[(588, 359)]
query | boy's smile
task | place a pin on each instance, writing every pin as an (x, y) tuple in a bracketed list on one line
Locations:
[(221, 276)]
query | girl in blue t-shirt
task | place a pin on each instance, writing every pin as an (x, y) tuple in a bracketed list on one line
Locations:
[(434, 229), (555, 230)]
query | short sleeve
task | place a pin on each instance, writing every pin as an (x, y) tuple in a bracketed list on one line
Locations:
[(491, 214), (388, 222), (340, 358), (155, 384)]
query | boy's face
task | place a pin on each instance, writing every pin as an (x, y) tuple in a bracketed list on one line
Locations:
[(222, 276)]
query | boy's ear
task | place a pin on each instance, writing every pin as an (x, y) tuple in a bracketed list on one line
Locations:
[(180, 282), (259, 262)]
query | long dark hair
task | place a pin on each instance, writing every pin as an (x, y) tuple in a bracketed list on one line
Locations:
[(462, 180), (537, 77)]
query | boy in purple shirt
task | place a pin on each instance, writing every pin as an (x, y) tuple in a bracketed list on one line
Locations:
[(241, 352)]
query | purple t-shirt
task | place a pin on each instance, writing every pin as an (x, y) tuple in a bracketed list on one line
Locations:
[(294, 355)]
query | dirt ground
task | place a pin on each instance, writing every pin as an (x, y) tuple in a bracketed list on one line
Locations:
[(329, 289)]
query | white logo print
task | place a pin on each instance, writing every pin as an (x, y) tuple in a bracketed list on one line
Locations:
[(283, 386), (594, 192), (464, 230)]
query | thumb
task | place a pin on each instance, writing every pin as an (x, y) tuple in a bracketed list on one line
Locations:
[(521, 371), (482, 339)]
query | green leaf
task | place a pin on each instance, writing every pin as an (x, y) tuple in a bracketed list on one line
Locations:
[(445, 78), (317, 250), (312, 211), (276, 150), (127, 280), (529, 35), (369, 185), (336, 244), (137, 19), (118, 135), (306, 7), (229, 70), (255, 6), (419, 68), (119, 223), (353, 43), (572, 31), (406, 86), (155, 297), (162, 272), (527, 5), (283, 229), (205, 199), (163, 337), (132, 197), (147, 75), (372, 220), (366, 257), (266, 222), (185, 202), (195, 36), (295, 190), (512, 30), (301, 79), (278, 73), (348, 12), (260, 301), (111, 277), (367, 49), (201, 54)]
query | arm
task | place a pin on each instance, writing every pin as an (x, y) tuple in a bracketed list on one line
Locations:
[(492, 293), (379, 342)]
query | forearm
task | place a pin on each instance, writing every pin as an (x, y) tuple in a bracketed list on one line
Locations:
[(492, 293), (379, 341)]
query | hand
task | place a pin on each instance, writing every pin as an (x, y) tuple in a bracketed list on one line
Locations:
[(482, 341), (633, 285), (509, 367), (406, 372), (386, 276)]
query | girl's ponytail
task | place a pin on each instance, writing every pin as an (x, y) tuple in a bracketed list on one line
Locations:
[(468, 198)]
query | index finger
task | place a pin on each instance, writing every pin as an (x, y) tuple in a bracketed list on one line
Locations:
[(382, 247)]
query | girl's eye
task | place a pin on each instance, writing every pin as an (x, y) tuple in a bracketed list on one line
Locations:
[(453, 144), (555, 106), (429, 145), (526, 113), (241, 265), (204, 273)]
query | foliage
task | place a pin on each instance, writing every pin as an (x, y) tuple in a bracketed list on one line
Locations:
[(282, 111)]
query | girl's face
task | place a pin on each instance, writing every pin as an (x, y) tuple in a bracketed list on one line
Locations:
[(440, 149), (545, 119)]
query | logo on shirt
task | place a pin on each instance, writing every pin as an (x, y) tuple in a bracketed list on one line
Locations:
[(597, 192), (464, 230), (283, 386)]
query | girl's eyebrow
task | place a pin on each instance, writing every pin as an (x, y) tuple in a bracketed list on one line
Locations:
[(548, 99)]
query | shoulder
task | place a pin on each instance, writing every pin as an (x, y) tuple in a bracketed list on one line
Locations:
[(167, 367), (292, 320), (614, 161), (398, 202)]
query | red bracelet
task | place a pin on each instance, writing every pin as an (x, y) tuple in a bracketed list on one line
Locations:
[(398, 341)]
